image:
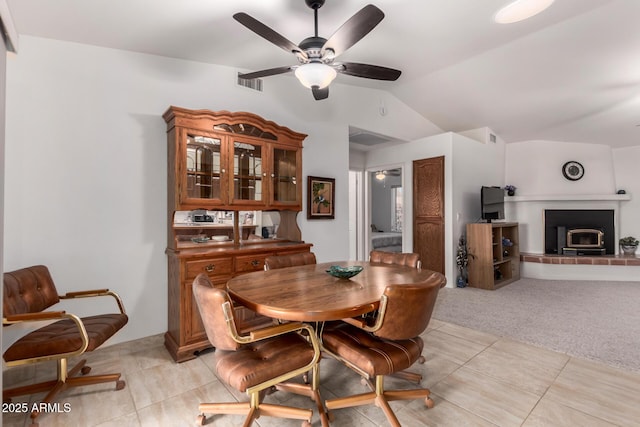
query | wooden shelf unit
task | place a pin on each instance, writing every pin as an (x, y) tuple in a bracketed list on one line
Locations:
[(492, 263)]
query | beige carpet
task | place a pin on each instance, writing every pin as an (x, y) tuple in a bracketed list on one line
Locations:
[(589, 319)]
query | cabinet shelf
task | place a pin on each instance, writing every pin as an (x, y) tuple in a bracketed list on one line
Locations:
[(489, 267)]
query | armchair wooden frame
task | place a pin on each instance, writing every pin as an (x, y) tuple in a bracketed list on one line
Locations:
[(255, 407), (65, 377)]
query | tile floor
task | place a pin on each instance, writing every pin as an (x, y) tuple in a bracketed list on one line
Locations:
[(476, 379)]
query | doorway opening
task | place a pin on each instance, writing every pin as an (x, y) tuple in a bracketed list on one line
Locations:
[(386, 209)]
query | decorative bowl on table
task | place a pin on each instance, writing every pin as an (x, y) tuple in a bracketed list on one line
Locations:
[(219, 238), (344, 272)]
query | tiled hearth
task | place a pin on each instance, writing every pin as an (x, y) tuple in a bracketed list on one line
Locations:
[(586, 260)]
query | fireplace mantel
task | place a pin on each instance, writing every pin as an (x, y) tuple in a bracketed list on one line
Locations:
[(568, 197)]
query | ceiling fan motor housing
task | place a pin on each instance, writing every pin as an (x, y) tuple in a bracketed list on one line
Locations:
[(312, 46), (314, 4)]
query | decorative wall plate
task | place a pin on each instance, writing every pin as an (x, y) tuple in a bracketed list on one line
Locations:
[(572, 170)]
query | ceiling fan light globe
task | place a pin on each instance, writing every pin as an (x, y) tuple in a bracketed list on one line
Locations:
[(315, 74)]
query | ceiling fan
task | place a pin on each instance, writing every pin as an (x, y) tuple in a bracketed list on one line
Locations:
[(382, 174), (317, 55)]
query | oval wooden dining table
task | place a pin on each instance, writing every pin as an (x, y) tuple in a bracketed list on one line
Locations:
[(309, 294)]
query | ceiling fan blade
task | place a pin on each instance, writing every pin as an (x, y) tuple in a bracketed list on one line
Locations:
[(267, 33), (358, 26), (368, 71), (265, 73), (320, 94)]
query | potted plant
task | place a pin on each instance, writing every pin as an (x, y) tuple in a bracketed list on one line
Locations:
[(462, 260), (629, 245), (510, 189)]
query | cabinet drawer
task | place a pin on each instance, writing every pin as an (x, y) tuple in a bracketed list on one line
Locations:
[(212, 267), (250, 263)]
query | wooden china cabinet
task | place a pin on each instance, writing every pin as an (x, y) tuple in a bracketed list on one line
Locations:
[(231, 162)]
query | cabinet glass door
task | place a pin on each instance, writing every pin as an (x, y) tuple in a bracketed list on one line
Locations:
[(284, 180), (247, 171), (203, 167)]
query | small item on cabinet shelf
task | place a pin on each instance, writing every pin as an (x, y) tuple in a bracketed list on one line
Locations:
[(506, 242), (200, 215), (200, 239), (220, 238), (622, 192)]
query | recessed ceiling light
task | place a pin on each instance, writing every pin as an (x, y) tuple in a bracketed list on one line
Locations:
[(520, 10)]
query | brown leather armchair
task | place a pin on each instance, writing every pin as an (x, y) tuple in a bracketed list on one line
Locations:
[(258, 361), (391, 345), (409, 259), (281, 261), (28, 293)]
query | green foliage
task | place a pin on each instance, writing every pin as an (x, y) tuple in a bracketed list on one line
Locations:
[(629, 241)]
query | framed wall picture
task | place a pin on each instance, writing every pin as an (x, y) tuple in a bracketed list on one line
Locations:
[(321, 194)]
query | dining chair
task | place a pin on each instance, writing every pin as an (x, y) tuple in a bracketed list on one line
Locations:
[(410, 259), (289, 260), (391, 345), (259, 361), (28, 293)]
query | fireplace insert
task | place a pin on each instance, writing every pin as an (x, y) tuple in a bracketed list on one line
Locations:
[(584, 241), (579, 232)]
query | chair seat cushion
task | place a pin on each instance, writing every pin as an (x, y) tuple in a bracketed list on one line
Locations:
[(373, 355), (261, 361), (63, 337)]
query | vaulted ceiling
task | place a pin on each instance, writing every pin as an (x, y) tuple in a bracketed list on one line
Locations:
[(571, 73)]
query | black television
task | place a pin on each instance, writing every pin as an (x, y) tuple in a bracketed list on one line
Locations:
[(492, 201)]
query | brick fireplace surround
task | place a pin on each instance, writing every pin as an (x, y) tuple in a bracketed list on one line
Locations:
[(582, 260), (528, 211)]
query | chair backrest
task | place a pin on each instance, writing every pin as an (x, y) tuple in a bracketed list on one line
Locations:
[(409, 259), (28, 290), (210, 301), (409, 308), (281, 261)]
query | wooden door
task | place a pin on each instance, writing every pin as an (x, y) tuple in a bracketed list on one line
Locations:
[(428, 212)]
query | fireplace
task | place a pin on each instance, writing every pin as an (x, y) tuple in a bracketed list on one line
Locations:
[(590, 238), (579, 231)]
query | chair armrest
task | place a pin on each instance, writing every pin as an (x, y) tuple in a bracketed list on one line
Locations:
[(95, 293), (362, 324), (32, 317), (272, 331), (357, 322), (49, 315), (89, 293)]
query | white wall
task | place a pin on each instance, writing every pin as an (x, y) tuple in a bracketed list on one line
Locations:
[(85, 187), (4, 18), (535, 168), (468, 165), (626, 161)]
